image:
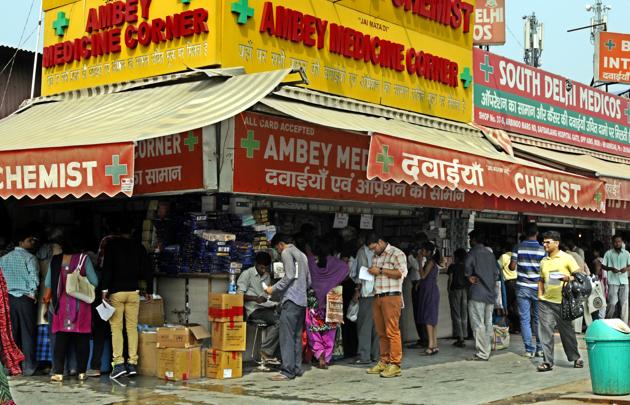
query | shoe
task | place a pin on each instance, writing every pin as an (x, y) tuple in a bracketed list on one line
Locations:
[(131, 370), (459, 343), (72, 373), (269, 360), (118, 371), (391, 371), (377, 369), (529, 355), (56, 378), (82, 376), (540, 353), (93, 373)]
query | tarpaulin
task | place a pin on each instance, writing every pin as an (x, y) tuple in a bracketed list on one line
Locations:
[(411, 162)]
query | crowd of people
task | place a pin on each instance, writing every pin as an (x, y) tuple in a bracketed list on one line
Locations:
[(53, 329)]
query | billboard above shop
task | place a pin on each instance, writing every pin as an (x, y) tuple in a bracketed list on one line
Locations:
[(612, 57), (414, 56), (512, 96), (490, 22)]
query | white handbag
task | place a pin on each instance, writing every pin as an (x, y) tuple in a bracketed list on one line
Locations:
[(78, 286)]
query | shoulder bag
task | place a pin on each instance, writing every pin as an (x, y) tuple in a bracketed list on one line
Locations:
[(78, 286)]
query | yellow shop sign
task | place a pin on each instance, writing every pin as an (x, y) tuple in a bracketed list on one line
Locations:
[(93, 42), (421, 64)]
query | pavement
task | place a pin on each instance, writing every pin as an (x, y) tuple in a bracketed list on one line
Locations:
[(446, 378)]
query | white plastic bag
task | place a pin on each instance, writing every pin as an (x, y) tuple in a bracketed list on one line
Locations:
[(353, 311)]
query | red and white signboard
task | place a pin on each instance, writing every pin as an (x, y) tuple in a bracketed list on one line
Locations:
[(76, 171), (415, 163), (169, 163), (489, 22)]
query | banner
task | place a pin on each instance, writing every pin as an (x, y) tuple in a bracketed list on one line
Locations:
[(612, 57), (169, 163), (414, 163), (515, 97), (69, 171), (489, 22)]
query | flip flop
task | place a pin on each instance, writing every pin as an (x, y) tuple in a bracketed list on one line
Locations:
[(579, 363), (279, 377), (544, 367), (476, 358)]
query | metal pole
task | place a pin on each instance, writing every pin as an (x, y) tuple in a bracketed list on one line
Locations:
[(35, 59)]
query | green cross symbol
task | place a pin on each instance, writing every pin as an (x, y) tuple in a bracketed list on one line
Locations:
[(190, 141), (610, 44), (598, 197), (250, 143), (116, 170), (243, 9), (627, 111), (486, 68), (61, 23), (185, 1), (466, 77), (385, 159)]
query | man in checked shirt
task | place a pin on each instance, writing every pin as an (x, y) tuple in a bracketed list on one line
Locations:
[(389, 268)]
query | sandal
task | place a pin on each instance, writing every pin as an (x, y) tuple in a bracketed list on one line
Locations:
[(579, 363), (431, 351), (476, 358), (545, 367), (279, 377)]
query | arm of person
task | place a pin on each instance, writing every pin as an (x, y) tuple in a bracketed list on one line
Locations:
[(597, 265), (47, 284), (90, 273), (541, 288), (33, 275), (426, 270), (289, 274), (107, 273), (469, 269), (513, 261)]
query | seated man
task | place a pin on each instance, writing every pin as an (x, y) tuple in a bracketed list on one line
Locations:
[(257, 306)]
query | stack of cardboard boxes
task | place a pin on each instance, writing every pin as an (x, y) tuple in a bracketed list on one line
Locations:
[(225, 357), (179, 352)]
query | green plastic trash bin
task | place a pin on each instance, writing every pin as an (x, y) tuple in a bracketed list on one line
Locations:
[(609, 358)]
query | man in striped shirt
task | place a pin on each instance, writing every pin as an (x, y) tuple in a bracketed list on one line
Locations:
[(526, 261)]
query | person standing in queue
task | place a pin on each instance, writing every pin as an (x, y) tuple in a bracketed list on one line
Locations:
[(292, 287), (555, 269), (389, 268)]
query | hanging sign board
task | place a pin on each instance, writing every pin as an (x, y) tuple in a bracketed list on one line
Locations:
[(489, 22), (612, 57)]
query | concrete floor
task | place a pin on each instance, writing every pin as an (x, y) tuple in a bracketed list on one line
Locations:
[(508, 378)]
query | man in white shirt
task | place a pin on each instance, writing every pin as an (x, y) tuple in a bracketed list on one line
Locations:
[(617, 264), (368, 341)]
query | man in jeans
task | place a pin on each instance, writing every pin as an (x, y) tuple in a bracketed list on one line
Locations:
[(368, 341), (526, 261), (617, 264), (389, 268), (292, 287), (482, 272), (20, 270), (125, 263)]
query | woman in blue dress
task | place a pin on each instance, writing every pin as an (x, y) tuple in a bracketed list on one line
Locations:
[(429, 295)]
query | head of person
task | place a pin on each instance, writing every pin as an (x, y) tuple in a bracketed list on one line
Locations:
[(617, 242), (323, 248), (597, 248), (428, 250), (531, 230), (460, 255), (26, 239), (476, 238), (569, 242), (263, 262), (551, 241), (420, 238), (280, 242), (71, 242), (506, 247), (376, 243)]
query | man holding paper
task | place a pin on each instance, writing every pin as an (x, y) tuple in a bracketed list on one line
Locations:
[(389, 268), (368, 345)]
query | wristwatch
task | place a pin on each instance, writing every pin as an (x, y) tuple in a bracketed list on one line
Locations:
[(381, 270)]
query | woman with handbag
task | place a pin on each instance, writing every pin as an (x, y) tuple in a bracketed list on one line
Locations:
[(71, 281)]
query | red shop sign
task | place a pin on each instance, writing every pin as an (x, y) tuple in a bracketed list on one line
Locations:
[(76, 171)]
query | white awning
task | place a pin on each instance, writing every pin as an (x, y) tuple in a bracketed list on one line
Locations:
[(135, 114)]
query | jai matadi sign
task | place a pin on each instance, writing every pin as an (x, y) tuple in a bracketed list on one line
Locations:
[(76, 171), (490, 22), (413, 55), (410, 55), (96, 42), (512, 96), (612, 57)]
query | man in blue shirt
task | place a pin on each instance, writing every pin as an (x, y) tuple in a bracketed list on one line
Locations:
[(526, 261), (20, 270), (617, 264)]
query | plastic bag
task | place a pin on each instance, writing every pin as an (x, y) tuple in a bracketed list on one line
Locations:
[(353, 311)]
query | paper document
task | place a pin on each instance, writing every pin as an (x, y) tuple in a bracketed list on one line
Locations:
[(365, 275), (105, 311)]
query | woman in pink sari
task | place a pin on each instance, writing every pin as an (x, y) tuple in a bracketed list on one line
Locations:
[(327, 272)]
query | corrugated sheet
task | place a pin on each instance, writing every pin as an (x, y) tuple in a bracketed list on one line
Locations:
[(19, 84), (136, 114)]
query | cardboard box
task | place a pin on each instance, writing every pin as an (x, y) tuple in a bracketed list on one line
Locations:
[(204, 353), (229, 336), (151, 313), (223, 365), (147, 353), (179, 364), (181, 336), (225, 307)]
